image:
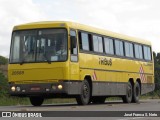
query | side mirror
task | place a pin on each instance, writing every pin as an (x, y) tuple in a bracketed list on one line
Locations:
[(73, 42)]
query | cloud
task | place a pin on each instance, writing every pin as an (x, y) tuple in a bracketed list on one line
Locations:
[(15, 12), (139, 18), (97, 13)]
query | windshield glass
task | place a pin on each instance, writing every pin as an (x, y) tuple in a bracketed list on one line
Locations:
[(39, 46)]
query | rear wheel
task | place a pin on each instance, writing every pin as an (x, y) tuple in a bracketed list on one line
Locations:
[(98, 100), (128, 97), (84, 97), (36, 101), (136, 93)]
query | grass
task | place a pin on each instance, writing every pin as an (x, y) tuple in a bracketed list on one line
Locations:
[(58, 100), (9, 101), (6, 100), (152, 95)]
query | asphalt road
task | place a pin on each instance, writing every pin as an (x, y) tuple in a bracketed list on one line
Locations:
[(143, 105)]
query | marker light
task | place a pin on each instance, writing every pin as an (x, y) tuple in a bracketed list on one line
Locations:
[(18, 89), (53, 87), (47, 90)]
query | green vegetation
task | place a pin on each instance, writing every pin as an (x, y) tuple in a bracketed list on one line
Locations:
[(5, 99), (157, 74), (3, 60)]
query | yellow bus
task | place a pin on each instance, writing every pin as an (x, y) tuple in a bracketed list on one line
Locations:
[(67, 59)]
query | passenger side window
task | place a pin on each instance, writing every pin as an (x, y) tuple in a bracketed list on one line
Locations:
[(97, 44), (108, 42), (128, 49), (147, 52), (119, 48), (138, 51), (85, 41)]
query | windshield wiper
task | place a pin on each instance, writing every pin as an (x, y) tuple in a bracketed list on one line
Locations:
[(22, 61), (49, 62)]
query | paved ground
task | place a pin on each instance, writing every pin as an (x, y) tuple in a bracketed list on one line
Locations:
[(144, 105)]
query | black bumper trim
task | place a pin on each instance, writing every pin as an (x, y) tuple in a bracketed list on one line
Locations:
[(46, 90)]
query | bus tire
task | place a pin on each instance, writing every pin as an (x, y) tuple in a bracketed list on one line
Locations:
[(84, 97), (98, 100), (36, 101), (128, 97), (136, 93)]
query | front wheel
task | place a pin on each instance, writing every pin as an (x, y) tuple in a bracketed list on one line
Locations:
[(128, 97), (136, 93), (36, 101), (84, 97)]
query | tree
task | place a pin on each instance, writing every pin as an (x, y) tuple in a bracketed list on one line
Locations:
[(3, 60), (157, 70), (158, 58)]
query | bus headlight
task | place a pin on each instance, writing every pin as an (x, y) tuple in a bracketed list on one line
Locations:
[(60, 87), (13, 88), (18, 89)]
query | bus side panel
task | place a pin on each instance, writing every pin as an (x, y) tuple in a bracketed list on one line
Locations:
[(147, 87), (108, 89), (105, 82), (112, 79)]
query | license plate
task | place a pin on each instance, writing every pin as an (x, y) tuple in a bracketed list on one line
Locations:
[(35, 88)]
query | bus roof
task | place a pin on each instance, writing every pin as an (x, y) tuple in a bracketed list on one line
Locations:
[(51, 24)]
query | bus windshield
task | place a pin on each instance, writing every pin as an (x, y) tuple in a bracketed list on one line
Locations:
[(43, 45)]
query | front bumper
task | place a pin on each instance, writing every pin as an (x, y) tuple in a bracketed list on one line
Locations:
[(66, 88)]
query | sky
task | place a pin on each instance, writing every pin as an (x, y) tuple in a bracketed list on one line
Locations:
[(138, 18)]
